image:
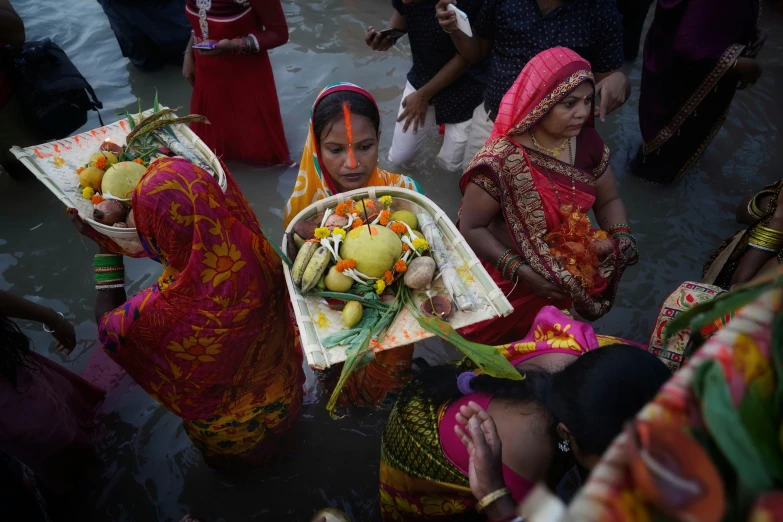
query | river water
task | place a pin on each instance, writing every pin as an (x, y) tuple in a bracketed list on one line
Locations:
[(153, 472)]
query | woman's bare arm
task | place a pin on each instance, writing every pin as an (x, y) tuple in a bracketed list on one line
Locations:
[(609, 208), (479, 211)]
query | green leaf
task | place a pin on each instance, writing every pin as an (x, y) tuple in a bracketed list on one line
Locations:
[(278, 251), (342, 296), (488, 358), (155, 104), (761, 421), (725, 426), (359, 355), (776, 349), (131, 121)]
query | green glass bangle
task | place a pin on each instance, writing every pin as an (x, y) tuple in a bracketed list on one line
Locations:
[(109, 276)]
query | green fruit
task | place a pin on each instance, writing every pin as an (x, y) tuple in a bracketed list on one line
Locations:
[(374, 253), (352, 313), (298, 240), (321, 285), (418, 234), (407, 217), (121, 179), (337, 282)]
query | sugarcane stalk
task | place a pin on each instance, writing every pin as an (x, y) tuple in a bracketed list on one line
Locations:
[(181, 150), (451, 279)]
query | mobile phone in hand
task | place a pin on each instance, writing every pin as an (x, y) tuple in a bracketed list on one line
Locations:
[(463, 24), (394, 33), (205, 45)]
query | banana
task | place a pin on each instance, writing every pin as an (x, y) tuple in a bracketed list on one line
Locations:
[(302, 258), (316, 268)]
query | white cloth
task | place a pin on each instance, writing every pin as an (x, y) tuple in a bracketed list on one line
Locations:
[(407, 145), (480, 131)]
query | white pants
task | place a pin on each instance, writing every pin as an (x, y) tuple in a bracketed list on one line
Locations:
[(480, 130), (406, 145)]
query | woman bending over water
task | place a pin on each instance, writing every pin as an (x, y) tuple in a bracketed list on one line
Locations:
[(570, 406), (527, 194), (211, 340)]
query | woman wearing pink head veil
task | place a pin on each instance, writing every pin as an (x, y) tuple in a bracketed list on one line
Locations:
[(527, 193)]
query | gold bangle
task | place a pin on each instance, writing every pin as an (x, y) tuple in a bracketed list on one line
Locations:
[(492, 497)]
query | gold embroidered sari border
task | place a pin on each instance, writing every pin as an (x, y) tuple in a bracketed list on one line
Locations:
[(725, 64)]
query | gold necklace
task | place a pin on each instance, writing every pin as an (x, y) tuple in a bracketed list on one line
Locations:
[(555, 153)]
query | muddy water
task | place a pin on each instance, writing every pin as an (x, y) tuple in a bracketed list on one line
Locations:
[(153, 473)]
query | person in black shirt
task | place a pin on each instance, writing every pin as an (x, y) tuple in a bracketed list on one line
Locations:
[(442, 88), (511, 32)]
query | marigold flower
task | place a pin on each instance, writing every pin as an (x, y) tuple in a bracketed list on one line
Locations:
[(405, 247), (345, 264), (88, 193), (357, 223), (322, 233), (340, 209), (79, 170), (384, 218), (96, 199), (101, 162), (337, 231), (400, 266), (380, 286), (421, 245), (388, 277), (398, 228), (139, 161), (386, 200)]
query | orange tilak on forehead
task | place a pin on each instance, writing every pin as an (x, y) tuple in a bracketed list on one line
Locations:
[(349, 132)]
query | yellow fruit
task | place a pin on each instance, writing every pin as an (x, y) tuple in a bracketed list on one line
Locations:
[(121, 179), (111, 159), (91, 177), (352, 313), (321, 283), (374, 253), (407, 217), (337, 282)]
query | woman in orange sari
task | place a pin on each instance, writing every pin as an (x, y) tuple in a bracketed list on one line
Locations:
[(527, 194), (341, 154), (212, 340)]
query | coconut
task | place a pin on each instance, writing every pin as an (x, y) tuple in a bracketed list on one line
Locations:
[(374, 253), (121, 179)]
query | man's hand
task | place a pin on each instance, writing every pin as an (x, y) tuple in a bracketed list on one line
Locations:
[(612, 91), (415, 107), (446, 18), (376, 41)]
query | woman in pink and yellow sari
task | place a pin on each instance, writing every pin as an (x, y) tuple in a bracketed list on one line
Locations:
[(577, 393), (527, 194), (212, 340)]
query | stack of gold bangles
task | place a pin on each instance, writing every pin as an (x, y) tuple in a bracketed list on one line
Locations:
[(492, 497), (765, 238), (753, 205)]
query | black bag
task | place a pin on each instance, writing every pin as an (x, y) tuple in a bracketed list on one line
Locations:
[(51, 91)]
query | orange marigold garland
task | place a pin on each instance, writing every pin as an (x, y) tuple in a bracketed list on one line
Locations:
[(139, 161), (400, 266), (384, 218), (356, 223), (341, 209), (388, 277), (345, 264), (573, 244), (101, 162), (79, 170), (398, 228), (96, 199)]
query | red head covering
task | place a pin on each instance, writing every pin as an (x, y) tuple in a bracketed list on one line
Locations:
[(546, 79)]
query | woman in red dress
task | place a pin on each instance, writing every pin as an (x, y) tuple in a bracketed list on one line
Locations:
[(233, 82)]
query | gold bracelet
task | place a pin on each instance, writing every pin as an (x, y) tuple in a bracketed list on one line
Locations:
[(492, 497), (769, 231)]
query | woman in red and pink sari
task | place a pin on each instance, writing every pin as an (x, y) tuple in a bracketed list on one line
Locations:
[(527, 194)]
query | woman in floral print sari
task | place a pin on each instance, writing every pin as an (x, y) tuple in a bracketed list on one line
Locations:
[(212, 340)]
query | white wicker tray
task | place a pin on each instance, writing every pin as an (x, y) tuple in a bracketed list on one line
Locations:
[(75, 151), (316, 320)]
